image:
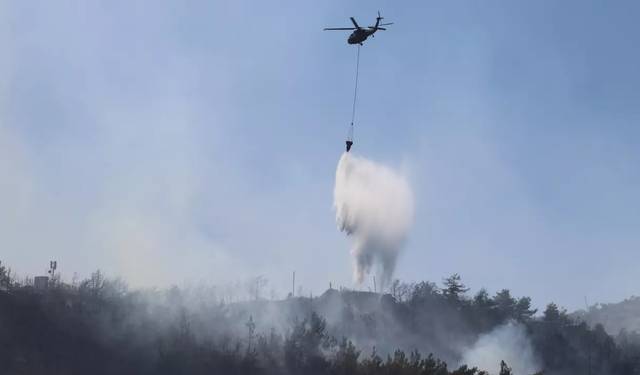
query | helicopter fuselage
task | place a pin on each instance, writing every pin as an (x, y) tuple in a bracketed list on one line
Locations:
[(359, 36)]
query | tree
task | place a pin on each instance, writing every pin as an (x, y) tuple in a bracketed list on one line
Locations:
[(506, 304), (372, 365), (346, 360), (553, 314), (454, 289), (484, 309), (504, 369), (523, 310), (394, 289), (94, 285), (251, 353), (423, 291), (255, 285), (4, 278), (74, 280)]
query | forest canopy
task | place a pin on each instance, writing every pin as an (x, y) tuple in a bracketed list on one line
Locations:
[(101, 326)]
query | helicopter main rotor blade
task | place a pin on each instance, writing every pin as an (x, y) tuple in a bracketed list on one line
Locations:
[(354, 23), (385, 24), (340, 28)]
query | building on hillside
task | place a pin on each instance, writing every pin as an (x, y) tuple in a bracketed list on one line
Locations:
[(40, 283)]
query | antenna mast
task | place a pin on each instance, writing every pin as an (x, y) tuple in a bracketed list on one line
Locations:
[(53, 265)]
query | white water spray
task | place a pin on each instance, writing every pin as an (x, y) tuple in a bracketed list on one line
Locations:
[(374, 205)]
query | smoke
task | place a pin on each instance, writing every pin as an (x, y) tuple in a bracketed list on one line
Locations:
[(508, 343), (374, 205)]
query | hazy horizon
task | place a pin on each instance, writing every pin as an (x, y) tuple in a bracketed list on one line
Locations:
[(172, 142)]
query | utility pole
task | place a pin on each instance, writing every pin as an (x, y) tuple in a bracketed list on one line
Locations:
[(293, 291), (588, 337), (257, 287), (375, 289)]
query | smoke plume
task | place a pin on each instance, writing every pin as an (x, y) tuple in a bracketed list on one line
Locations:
[(374, 205), (508, 343)]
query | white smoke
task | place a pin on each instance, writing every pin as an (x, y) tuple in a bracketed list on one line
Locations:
[(374, 205), (508, 343)]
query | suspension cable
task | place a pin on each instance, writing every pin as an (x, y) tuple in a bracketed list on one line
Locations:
[(355, 95)]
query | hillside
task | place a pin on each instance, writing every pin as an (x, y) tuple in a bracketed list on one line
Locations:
[(615, 317), (100, 326)]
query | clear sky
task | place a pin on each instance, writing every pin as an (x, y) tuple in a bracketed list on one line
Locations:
[(163, 140)]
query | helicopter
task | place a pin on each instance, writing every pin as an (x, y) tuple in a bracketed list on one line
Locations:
[(360, 35)]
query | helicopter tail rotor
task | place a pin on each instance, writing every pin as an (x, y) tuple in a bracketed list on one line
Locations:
[(380, 24)]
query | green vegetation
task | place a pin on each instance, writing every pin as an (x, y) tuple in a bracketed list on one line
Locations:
[(99, 326)]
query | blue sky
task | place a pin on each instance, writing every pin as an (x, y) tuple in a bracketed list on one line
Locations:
[(165, 141)]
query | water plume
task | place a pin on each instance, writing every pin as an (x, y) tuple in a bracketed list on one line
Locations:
[(374, 205)]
